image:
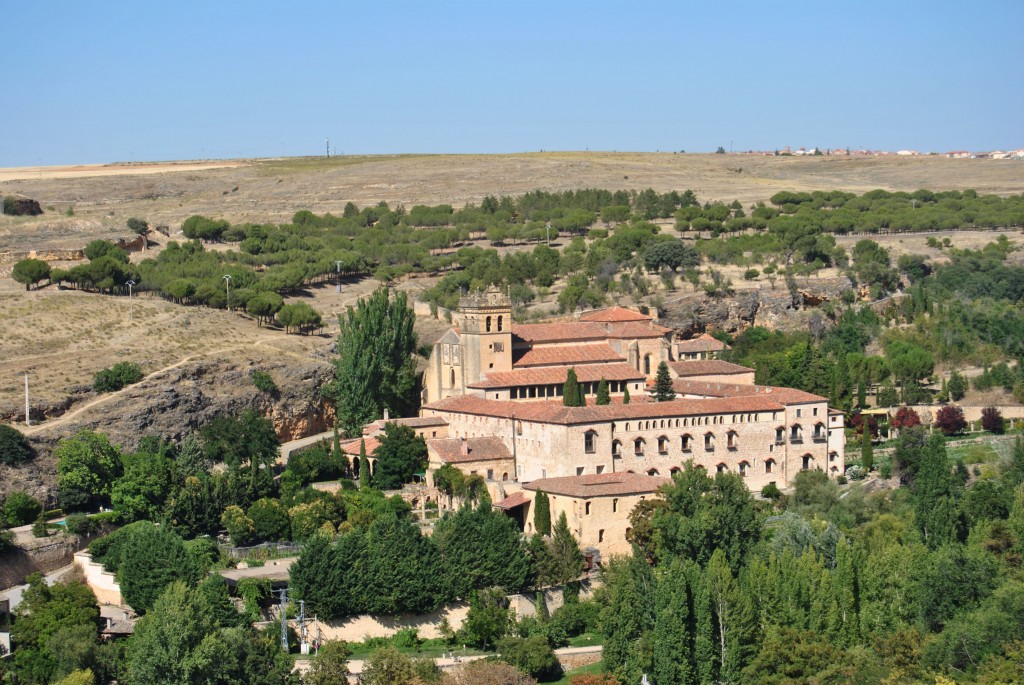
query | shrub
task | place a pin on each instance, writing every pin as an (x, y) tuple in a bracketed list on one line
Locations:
[(40, 530), (532, 655), (771, 491), (407, 638), (263, 382), (751, 274), (841, 479), (14, 448), (21, 509), (885, 470), (855, 473), (117, 377), (79, 524)]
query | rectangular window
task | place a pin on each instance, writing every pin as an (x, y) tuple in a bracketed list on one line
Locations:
[(579, 470), (600, 468), (490, 474)]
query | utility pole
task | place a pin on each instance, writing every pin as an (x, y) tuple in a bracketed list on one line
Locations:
[(28, 420), (327, 142), (284, 619), (131, 306), (337, 280), (303, 642), (227, 289)]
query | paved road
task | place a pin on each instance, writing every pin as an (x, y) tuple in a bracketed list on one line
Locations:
[(14, 594), (287, 448)]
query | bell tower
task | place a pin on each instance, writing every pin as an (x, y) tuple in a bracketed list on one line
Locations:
[(486, 331)]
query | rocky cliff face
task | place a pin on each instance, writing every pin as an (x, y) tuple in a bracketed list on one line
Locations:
[(777, 309), (181, 400)]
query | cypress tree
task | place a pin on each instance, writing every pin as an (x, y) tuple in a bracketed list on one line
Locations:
[(674, 629), (565, 552), (663, 391), (841, 381), (337, 442), (867, 455), (602, 393), (935, 494), (571, 390), (862, 393), (628, 618), (625, 396), (542, 513), (364, 466)]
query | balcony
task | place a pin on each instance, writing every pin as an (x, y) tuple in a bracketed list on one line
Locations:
[(819, 438)]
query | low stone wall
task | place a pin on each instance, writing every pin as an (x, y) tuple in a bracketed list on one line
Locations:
[(576, 658), (357, 628), (99, 580), (524, 605)]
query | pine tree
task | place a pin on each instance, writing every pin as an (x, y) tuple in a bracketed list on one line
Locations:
[(571, 390), (364, 466), (867, 455), (957, 386), (542, 513), (663, 391), (565, 552), (602, 393), (625, 395)]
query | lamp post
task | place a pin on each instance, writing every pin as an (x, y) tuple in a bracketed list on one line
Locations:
[(227, 289), (131, 306), (337, 270)]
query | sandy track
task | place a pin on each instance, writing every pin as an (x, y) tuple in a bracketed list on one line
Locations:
[(86, 170)]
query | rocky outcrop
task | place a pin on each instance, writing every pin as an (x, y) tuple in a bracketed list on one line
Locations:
[(175, 402), (775, 308)]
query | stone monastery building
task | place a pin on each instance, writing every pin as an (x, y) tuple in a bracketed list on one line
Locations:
[(498, 386)]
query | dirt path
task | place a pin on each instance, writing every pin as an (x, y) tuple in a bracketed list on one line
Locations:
[(64, 418)]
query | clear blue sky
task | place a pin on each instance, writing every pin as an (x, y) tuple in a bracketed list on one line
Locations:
[(116, 81)]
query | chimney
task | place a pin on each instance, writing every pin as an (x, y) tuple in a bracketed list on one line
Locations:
[(385, 414), (464, 448)]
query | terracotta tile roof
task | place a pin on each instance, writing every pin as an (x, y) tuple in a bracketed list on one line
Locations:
[(516, 499), (411, 422), (587, 330), (706, 367), (590, 353), (730, 390), (352, 446), (599, 485), (614, 314), (556, 413), (703, 343), (553, 375), (450, 450)]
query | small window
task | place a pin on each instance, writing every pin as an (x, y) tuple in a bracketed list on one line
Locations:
[(798, 412), (686, 442), (600, 468), (733, 440), (638, 447), (600, 535), (579, 470), (769, 465), (615, 504), (722, 468), (709, 442), (662, 445), (807, 462), (652, 472), (743, 466), (504, 476), (490, 474), (586, 509), (500, 322), (590, 442), (815, 411), (616, 448), (488, 324)]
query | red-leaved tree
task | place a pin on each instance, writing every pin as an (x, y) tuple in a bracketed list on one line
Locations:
[(992, 420), (905, 418), (950, 420)]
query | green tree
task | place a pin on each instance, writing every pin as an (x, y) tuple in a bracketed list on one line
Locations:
[(139, 227), (248, 446), (603, 397), (488, 619), (663, 391), (146, 483), (375, 369), (935, 496), (733, 618), (364, 465), (151, 559), (388, 666), (672, 254), (30, 271), (628, 618), (867, 457), (531, 655), (21, 509), (400, 455), (542, 513), (571, 390), (564, 553), (116, 377), (957, 386), (625, 395), (480, 548), (330, 665), (87, 467), (270, 520)]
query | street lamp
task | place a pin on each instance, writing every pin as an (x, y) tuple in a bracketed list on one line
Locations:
[(337, 270), (227, 289), (131, 306)]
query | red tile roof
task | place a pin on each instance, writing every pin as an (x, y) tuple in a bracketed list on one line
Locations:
[(614, 314), (729, 390), (599, 485), (555, 412), (587, 330), (564, 355), (352, 446), (707, 367), (411, 422), (516, 499), (703, 343), (553, 375), (450, 450)]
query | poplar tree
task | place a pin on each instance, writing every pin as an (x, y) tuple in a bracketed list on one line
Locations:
[(628, 619), (674, 628), (663, 391), (603, 397)]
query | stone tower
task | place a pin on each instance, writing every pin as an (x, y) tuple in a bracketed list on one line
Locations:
[(486, 333)]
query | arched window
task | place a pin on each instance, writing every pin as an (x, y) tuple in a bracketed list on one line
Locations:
[(686, 442), (652, 472), (647, 364), (452, 375), (743, 466), (709, 442), (732, 440), (819, 432), (769, 465), (500, 322), (616, 448), (674, 470), (807, 462), (504, 476), (780, 435), (721, 468), (796, 433), (590, 442), (638, 447), (662, 444), (586, 509), (615, 504), (832, 456), (487, 325)]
